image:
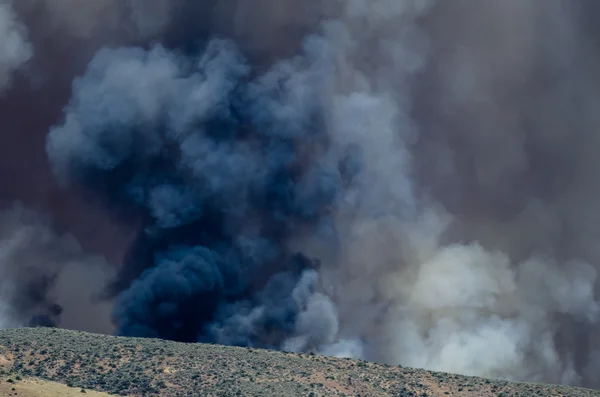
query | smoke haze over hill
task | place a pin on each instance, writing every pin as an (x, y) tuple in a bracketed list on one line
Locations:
[(403, 181)]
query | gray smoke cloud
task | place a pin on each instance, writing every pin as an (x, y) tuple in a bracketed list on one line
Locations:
[(46, 278), (15, 49), (465, 239), (480, 260), (89, 19), (468, 247)]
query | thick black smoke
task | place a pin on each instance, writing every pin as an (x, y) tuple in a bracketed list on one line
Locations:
[(405, 181), (211, 157)]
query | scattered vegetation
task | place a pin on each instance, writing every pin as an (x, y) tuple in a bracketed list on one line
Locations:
[(149, 367)]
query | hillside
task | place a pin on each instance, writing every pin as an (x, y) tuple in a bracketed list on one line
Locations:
[(45, 362)]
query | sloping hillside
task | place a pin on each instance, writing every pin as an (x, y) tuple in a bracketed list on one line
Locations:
[(32, 387), (32, 360)]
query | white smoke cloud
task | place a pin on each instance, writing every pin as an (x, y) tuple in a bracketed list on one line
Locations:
[(418, 300)]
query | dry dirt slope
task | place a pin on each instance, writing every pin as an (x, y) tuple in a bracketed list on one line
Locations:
[(48, 362)]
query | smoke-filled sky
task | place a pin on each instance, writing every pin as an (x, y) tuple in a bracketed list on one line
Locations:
[(411, 182)]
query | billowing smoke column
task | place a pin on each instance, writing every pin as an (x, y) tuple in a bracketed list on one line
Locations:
[(212, 160), (405, 181)]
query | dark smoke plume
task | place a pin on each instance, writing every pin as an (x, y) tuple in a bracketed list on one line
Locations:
[(404, 181), (212, 160)]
